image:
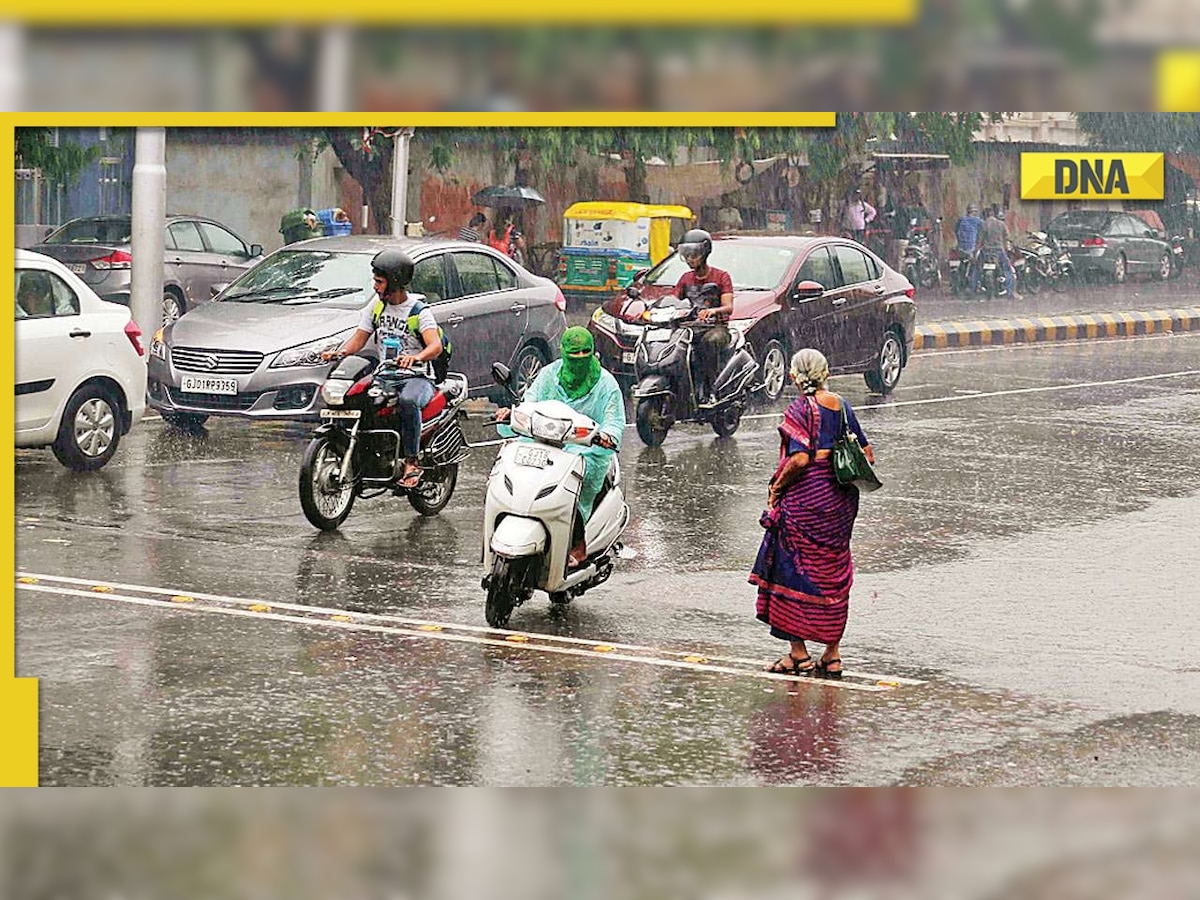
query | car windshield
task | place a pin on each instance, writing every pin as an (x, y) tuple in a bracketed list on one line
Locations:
[(305, 276), (1091, 219), (92, 231), (752, 267)]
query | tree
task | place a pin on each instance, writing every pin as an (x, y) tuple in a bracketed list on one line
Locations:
[(1170, 132), (59, 160), (366, 156)]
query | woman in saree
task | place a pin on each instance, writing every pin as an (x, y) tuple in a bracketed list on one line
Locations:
[(804, 569)]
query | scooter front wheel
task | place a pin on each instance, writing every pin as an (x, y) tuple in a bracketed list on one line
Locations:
[(652, 426), (504, 588), (325, 499)]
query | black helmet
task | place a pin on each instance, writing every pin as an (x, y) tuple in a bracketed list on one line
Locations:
[(696, 242), (395, 266)]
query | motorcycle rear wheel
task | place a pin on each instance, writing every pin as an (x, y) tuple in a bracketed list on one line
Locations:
[(326, 504), (650, 421), (434, 491)]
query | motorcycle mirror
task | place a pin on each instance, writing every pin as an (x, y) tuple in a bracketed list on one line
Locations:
[(807, 290), (912, 221), (218, 287), (632, 292), (501, 374)]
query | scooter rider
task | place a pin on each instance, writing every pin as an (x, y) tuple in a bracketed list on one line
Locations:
[(388, 319), (578, 380), (695, 249)]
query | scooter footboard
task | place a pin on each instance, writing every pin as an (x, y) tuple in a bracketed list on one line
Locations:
[(518, 536)]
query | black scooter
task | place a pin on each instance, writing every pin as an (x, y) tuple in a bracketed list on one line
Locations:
[(666, 389)]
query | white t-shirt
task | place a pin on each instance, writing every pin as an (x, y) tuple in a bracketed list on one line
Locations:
[(393, 322)]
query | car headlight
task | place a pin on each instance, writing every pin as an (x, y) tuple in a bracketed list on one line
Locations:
[(157, 348), (604, 320), (309, 354)]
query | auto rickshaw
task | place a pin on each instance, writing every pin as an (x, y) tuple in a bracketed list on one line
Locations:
[(605, 243)]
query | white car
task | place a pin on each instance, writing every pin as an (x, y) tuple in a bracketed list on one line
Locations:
[(81, 367)]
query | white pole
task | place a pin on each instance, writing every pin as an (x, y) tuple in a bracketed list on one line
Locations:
[(400, 143), (149, 221), (334, 53)]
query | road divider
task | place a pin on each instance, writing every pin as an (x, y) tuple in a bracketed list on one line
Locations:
[(1074, 327), (404, 627)]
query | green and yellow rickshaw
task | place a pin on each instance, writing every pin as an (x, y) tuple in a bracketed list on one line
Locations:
[(606, 242)]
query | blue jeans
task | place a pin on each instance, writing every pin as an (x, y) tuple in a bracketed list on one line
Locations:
[(413, 395)]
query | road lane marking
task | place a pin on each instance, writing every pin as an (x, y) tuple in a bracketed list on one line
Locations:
[(398, 626)]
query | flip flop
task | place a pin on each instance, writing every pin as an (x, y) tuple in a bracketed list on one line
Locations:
[(411, 478)]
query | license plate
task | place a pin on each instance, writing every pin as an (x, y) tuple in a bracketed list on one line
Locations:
[(657, 334), (194, 385), (954, 263), (1177, 250), (628, 357), (987, 267), (1070, 243), (78, 268), (340, 413), (531, 456)]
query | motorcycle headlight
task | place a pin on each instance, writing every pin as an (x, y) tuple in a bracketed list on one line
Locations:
[(333, 391), (157, 348), (309, 354), (604, 320)]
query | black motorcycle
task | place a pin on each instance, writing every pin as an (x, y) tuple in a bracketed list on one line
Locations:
[(1177, 254), (666, 389), (356, 451), (960, 263), (920, 265)]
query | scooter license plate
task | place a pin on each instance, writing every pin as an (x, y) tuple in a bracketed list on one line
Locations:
[(341, 413), (531, 456)]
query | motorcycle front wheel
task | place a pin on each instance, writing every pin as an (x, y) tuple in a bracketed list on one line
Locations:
[(434, 491), (651, 421), (726, 422), (325, 499)]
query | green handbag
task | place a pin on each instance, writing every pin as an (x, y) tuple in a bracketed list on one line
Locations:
[(850, 463)]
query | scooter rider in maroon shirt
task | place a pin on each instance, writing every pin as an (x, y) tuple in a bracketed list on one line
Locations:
[(695, 249)]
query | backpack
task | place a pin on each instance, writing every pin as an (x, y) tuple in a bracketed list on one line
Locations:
[(441, 362)]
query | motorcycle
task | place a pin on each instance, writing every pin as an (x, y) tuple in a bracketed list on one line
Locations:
[(919, 265), (1177, 254), (356, 452), (665, 390), (1047, 263), (960, 263), (530, 515), (993, 279)]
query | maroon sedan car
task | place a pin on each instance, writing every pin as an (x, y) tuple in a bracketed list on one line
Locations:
[(862, 317)]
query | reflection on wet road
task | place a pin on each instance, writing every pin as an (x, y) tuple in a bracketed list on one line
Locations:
[(1027, 559)]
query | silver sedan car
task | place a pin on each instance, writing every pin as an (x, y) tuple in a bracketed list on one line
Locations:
[(256, 350)]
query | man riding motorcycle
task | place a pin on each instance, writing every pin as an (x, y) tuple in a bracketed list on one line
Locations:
[(404, 329), (695, 249), (578, 380), (994, 240)]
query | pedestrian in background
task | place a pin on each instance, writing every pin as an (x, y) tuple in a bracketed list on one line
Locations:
[(470, 231), (804, 569), (857, 214)]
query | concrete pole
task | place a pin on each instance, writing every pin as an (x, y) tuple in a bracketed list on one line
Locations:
[(334, 54), (400, 180), (149, 222)]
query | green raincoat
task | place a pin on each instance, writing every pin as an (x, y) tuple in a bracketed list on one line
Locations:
[(604, 404)]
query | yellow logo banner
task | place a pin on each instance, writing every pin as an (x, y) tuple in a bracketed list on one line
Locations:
[(1091, 176)]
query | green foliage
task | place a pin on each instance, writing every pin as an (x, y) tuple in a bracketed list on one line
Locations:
[(62, 164), (1170, 132)]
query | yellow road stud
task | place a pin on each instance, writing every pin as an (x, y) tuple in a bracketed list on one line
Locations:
[(102, 589), (260, 607), (183, 598)]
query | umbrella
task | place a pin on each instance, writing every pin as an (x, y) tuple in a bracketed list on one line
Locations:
[(507, 195)]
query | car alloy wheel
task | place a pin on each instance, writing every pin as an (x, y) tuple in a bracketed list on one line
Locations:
[(172, 308), (1164, 267), (90, 430), (1120, 269), (774, 370)]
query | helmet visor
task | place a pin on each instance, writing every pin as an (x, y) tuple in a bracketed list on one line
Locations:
[(691, 250)]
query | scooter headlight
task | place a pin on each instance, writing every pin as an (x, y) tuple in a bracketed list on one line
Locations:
[(547, 428), (520, 422)]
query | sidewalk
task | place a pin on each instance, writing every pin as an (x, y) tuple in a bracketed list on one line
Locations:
[(1098, 311)]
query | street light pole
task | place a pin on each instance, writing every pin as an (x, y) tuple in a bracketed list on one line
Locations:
[(149, 215), (400, 142)]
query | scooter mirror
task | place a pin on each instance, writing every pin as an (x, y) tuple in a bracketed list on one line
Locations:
[(632, 293), (501, 374)]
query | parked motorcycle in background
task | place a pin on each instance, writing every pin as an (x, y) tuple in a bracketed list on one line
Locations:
[(666, 391), (960, 264), (993, 279), (920, 265), (1177, 254), (355, 451), (1047, 264), (530, 514)]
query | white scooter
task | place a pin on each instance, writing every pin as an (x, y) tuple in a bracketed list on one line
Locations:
[(530, 516)]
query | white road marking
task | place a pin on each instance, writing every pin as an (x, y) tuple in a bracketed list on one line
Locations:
[(422, 628)]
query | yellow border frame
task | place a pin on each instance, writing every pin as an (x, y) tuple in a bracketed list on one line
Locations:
[(19, 696)]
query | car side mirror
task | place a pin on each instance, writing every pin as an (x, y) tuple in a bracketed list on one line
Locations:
[(501, 374), (808, 290), (217, 288), (256, 250), (640, 274)]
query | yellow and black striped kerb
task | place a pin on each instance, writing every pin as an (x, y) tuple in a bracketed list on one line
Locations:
[(1027, 330)]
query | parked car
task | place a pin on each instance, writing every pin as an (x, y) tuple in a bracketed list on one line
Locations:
[(80, 366), (199, 254), (862, 317), (256, 350), (1112, 243)]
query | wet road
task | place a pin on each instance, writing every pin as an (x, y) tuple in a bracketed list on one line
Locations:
[(1031, 560)]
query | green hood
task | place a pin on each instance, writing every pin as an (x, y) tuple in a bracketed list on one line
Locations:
[(580, 368)]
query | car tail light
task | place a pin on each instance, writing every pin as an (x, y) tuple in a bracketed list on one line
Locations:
[(134, 334), (560, 302), (911, 293), (1093, 242), (118, 259)]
